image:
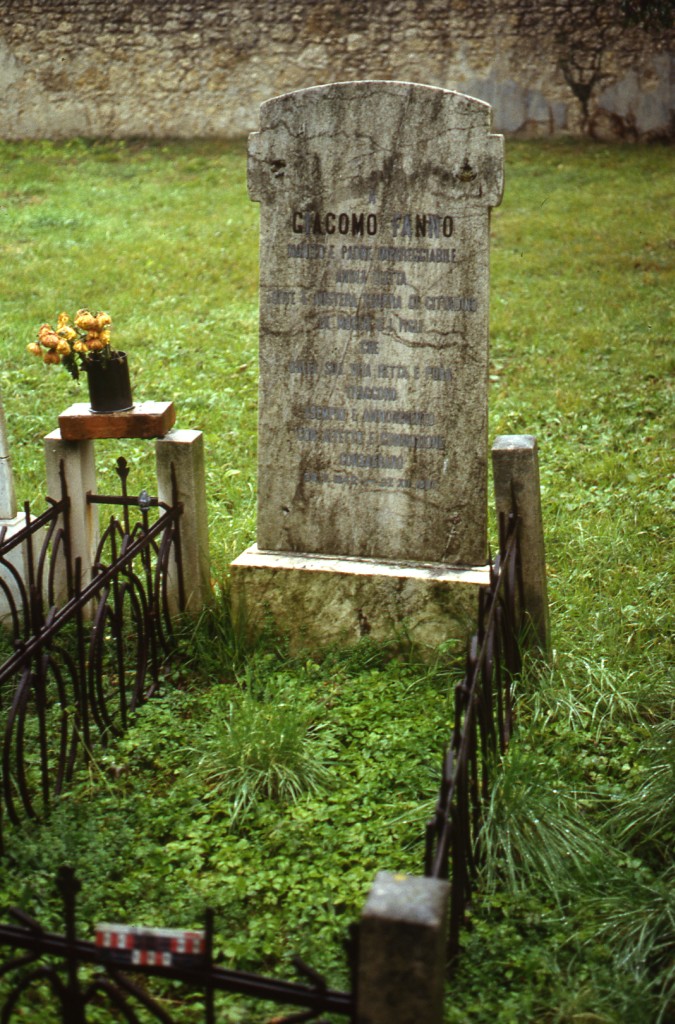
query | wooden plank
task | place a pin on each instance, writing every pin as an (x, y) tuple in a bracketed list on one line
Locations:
[(146, 419)]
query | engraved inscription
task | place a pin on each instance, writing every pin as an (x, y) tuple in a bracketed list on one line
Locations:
[(368, 281)]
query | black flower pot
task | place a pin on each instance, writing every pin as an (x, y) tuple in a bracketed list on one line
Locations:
[(109, 385)]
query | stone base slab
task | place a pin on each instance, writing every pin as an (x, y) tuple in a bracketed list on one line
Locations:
[(319, 601)]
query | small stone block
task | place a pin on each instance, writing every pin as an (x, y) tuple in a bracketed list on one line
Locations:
[(145, 419), (402, 951)]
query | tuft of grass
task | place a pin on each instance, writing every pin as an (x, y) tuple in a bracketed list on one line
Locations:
[(213, 646), (647, 815), (577, 692), (532, 830), (637, 917), (259, 747)]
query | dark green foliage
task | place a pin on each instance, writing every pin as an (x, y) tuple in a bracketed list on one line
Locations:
[(651, 15)]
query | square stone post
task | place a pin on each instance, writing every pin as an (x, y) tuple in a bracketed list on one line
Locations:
[(10, 593), (7, 495), (402, 951), (80, 477), (184, 451), (515, 465)]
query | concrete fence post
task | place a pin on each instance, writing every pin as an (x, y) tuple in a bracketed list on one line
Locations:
[(11, 523), (515, 465), (402, 951), (80, 476), (7, 494), (184, 451)]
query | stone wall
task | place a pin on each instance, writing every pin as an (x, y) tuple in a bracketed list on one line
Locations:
[(183, 68)]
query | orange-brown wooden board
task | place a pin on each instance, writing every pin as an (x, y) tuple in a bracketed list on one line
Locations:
[(146, 419)]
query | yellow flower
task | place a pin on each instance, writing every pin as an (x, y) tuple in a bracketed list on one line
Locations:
[(73, 338), (85, 320)]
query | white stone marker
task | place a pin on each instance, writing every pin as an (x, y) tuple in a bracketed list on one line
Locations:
[(374, 244), (79, 468), (12, 523), (7, 494)]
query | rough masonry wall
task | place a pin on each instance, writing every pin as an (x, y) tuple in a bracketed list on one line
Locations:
[(122, 68)]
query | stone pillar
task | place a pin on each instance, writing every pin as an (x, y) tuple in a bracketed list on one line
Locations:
[(184, 451), (10, 592), (515, 466), (80, 476), (402, 951), (7, 496)]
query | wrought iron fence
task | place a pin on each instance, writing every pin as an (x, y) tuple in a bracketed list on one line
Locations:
[(59, 962), (483, 717), (81, 664), (66, 692)]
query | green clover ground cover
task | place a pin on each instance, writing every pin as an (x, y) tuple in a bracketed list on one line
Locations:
[(575, 916)]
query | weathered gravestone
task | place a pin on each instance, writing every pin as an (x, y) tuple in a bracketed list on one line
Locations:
[(375, 200)]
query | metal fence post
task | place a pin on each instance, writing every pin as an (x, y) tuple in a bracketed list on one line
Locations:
[(515, 466), (402, 951), (180, 456)]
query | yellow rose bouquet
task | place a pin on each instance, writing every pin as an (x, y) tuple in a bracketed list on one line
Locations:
[(75, 344)]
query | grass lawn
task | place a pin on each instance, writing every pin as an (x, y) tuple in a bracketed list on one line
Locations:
[(575, 918)]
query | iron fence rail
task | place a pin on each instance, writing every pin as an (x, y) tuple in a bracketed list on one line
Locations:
[(483, 720), (75, 994)]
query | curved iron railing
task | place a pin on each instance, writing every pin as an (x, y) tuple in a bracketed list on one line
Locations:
[(82, 666)]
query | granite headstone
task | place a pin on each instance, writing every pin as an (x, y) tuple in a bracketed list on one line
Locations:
[(375, 201)]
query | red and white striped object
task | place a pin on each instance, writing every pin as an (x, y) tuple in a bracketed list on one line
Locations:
[(150, 947)]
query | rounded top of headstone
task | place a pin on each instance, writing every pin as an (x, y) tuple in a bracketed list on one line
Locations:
[(409, 126), (449, 100)]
